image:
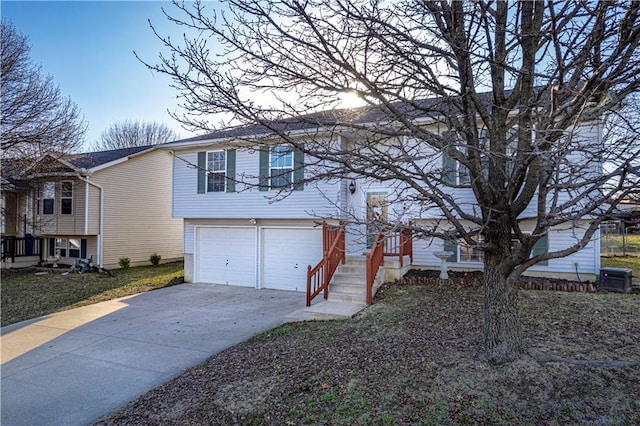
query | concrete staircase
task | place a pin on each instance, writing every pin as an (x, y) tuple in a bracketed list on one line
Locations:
[(349, 282), (347, 294)]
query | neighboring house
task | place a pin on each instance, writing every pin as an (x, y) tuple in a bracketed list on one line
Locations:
[(108, 205), (236, 234)]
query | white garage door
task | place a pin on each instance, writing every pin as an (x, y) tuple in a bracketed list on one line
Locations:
[(286, 255), (226, 256)]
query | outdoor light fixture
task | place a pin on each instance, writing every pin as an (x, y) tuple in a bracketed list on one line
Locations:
[(252, 222), (352, 187)]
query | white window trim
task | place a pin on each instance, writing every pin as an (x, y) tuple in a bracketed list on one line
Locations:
[(217, 172), (272, 167)]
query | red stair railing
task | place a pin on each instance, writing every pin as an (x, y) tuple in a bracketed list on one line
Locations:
[(318, 277), (398, 244), (374, 260)]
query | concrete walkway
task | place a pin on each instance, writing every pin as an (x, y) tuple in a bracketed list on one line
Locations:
[(73, 367)]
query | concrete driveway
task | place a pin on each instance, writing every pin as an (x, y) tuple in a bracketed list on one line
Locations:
[(73, 367)]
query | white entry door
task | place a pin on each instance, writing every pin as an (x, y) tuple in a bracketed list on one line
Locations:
[(226, 256), (286, 254)]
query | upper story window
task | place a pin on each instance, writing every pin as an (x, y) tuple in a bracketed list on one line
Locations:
[(281, 167), (216, 171), (48, 197), (66, 197), (455, 173)]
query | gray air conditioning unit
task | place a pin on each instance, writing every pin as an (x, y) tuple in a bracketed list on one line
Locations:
[(615, 279)]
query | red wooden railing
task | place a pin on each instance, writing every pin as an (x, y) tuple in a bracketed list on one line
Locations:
[(399, 244), (318, 277), (374, 260)]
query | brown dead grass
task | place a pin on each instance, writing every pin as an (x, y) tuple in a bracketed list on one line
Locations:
[(414, 358)]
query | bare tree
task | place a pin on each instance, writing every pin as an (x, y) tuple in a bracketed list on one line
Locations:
[(36, 118), (127, 134), (512, 93)]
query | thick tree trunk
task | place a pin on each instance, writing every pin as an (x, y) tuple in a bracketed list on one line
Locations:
[(502, 328)]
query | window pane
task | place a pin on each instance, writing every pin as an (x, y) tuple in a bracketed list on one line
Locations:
[(61, 247), (47, 206), (66, 189), (49, 190), (65, 206), (216, 182), (471, 253), (281, 178), (216, 161), (281, 156)]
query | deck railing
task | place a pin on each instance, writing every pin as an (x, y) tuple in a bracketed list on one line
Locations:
[(12, 247), (398, 244), (318, 277)]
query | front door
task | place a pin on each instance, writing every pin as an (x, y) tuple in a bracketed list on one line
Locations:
[(377, 203)]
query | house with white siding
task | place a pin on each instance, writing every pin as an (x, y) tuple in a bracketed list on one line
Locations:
[(240, 229), (108, 204)]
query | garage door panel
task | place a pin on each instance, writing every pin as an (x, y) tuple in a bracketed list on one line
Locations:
[(226, 256), (286, 255)]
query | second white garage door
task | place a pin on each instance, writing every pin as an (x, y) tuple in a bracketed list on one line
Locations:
[(286, 253), (226, 256)]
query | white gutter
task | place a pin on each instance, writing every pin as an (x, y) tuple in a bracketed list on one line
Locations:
[(101, 233), (86, 208)]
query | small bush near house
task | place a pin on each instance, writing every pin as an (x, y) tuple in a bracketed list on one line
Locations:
[(124, 263), (155, 259)]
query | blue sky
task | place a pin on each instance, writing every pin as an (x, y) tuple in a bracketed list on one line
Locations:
[(88, 49)]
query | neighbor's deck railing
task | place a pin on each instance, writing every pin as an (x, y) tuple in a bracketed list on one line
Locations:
[(318, 277), (12, 247)]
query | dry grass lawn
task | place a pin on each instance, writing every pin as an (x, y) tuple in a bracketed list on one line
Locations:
[(414, 358)]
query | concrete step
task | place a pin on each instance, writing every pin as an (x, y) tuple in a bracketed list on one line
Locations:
[(351, 288), (356, 260), (338, 296), (356, 278), (326, 310), (351, 269)]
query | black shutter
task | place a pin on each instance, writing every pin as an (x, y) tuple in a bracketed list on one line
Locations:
[(83, 248), (202, 172), (263, 184), (298, 169), (231, 170)]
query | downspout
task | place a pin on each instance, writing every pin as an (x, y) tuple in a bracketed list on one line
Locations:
[(101, 232)]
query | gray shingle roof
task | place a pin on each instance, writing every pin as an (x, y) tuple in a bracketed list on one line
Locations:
[(89, 160), (432, 107)]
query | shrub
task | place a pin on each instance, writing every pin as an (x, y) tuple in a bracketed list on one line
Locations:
[(124, 262), (155, 259)]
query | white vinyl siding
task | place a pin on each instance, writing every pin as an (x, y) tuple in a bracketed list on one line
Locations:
[(248, 201), (588, 259)]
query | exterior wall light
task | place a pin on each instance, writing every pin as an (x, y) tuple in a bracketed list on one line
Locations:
[(352, 187), (252, 222)]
